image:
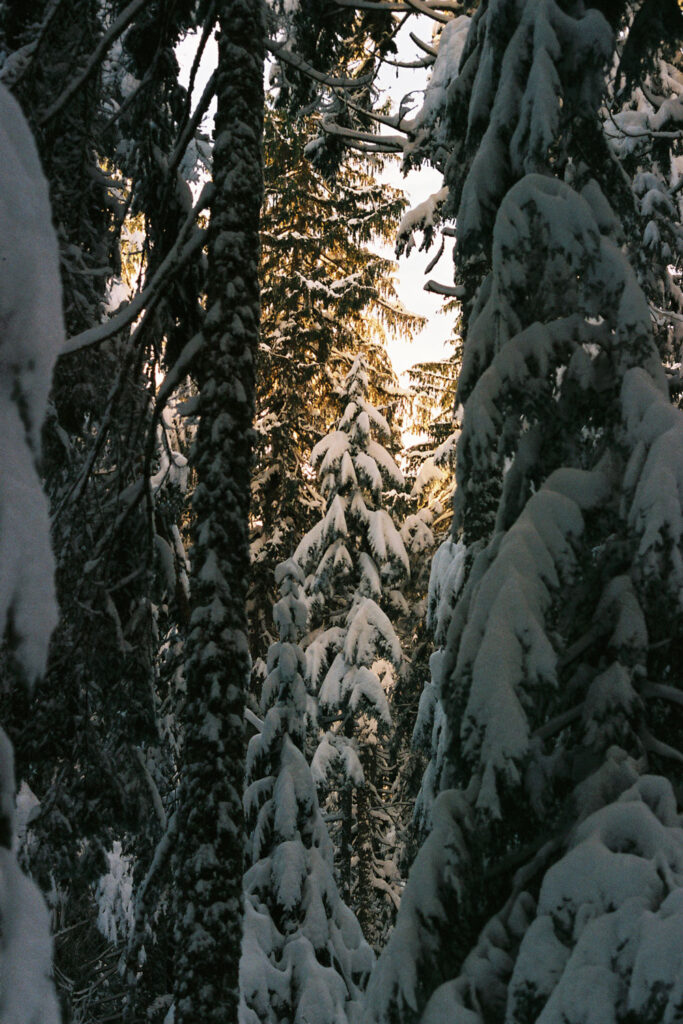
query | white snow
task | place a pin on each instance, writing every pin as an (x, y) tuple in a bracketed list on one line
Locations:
[(31, 334), (26, 991)]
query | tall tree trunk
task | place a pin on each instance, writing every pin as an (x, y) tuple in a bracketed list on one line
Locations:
[(209, 859)]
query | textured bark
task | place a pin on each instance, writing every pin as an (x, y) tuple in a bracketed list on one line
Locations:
[(209, 860)]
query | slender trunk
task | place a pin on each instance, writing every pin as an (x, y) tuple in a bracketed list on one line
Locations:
[(209, 860), (364, 890), (346, 844)]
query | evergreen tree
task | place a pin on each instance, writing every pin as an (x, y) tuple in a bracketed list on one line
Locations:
[(355, 563), (324, 293), (90, 744), (303, 955), (553, 871)]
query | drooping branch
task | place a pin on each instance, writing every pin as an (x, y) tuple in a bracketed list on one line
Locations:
[(183, 249)]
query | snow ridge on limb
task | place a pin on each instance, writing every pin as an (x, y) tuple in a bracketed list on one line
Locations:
[(303, 954), (600, 941)]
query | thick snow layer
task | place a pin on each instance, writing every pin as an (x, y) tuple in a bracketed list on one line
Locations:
[(303, 953), (445, 581), (320, 652), (114, 897), (370, 635), (328, 452), (306, 968), (653, 480), (386, 543), (26, 992), (31, 334), (422, 217), (610, 916), (335, 756), (603, 943)]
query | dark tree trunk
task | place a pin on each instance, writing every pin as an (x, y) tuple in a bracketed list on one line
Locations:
[(210, 848)]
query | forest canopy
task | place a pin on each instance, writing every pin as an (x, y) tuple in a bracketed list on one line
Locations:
[(299, 725)]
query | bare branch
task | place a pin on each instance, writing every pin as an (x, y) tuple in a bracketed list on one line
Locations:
[(433, 262)]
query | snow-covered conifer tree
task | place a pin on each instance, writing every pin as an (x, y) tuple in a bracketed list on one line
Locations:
[(303, 955), (552, 879), (324, 295), (355, 562)]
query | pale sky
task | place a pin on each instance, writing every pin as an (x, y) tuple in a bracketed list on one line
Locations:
[(418, 185)]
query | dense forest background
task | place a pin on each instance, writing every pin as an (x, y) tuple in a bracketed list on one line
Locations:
[(310, 728)]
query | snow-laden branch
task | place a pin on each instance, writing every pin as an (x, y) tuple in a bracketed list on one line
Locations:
[(421, 7), (405, 7), (18, 63), (112, 34), (181, 250), (301, 65), (663, 692), (384, 143), (444, 289)]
